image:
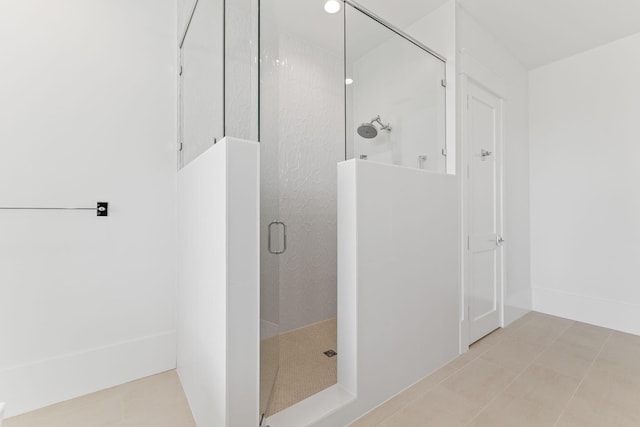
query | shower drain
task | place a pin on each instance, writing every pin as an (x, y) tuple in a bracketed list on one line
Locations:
[(330, 353)]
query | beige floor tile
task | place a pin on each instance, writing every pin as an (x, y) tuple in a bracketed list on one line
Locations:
[(609, 382), (171, 415), (549, 320), (536, 398), (568, 359), (585, 416), (411, 394), (472, 354), (430, 382), (585, 335), (11, 422), (608, 396), (480, 381), (513, 354), (497, 336), (509, 412), (382, 412), (547, 358), (522, 321), (541, 371), (439, 407), (139, 403), (152, 395), (544, 386), (484, 344), (541, 333), (586, 411), (623, 350), (95, 410), (616, 371)]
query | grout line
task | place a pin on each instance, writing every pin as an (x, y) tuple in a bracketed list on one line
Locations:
[(593, 362), (544, 348)]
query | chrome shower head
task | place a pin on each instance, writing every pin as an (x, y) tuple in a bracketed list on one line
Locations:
[(369, 130)]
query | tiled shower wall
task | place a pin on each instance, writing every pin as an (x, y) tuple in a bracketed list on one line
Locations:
[(305, 82)]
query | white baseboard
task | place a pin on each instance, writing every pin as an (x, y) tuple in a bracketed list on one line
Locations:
[(617, 315), (35, 385)]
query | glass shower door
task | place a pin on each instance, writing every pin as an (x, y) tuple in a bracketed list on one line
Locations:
[(272, 245), (301, 143)]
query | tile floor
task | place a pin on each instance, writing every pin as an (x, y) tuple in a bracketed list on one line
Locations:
[(304, 369), (539, 371), (156, 401)]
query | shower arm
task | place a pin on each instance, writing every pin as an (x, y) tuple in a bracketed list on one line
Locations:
[(386, 127)]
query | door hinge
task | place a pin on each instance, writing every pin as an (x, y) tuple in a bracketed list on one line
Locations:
[(180, 146), (444, 152), (180, 70), (443, 82)]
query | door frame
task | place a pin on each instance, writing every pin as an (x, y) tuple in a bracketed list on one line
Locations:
[(472, 71)]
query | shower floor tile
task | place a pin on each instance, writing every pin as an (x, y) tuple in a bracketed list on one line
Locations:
[(304, 368)]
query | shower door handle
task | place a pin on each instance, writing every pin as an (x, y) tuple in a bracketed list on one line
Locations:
[(269, 242)]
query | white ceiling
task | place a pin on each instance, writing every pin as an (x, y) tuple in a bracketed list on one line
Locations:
[(402, 13), (538, 32), (307, 19)]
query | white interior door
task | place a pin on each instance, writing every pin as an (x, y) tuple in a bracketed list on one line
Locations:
[(484, 134)]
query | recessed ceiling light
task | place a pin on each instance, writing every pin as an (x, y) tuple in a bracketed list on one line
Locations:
[(332, 6), (348, 81)]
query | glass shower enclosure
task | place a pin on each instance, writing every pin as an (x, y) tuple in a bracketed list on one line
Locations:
[(395, 95), (333, 86)]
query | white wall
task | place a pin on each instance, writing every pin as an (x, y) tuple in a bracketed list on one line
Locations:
[(476, 43), (218, 329), (88, 99), (398, 288), (585, 204)]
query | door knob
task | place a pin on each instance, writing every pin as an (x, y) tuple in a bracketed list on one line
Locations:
[(499, 241)]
